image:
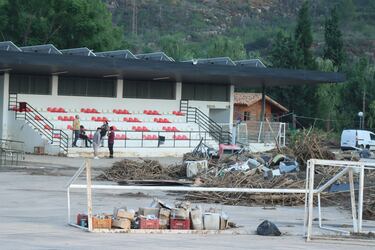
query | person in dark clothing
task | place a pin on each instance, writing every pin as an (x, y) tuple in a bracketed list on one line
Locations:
[(104, 129), (111, 141), (83, 136)]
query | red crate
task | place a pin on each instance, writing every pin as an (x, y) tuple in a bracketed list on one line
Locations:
[(180, 224), (148, 224)]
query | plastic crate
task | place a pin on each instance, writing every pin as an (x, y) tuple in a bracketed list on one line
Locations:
[(180, 224), (80, 217), (148, 224), (101, 223)]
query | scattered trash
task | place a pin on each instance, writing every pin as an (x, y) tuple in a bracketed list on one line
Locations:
[(268, 228)]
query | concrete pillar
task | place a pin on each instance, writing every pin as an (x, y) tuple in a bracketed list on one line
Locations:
[(119, 88), (54, 85), (178, 91), (231, 104), (4, 93)]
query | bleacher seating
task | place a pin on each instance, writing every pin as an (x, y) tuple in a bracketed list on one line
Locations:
[(56, 110), (134, 128)]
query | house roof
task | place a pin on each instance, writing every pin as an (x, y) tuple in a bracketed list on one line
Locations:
[(249, 99)]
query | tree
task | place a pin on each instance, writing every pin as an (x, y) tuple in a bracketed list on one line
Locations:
[(303, 36), (223, 46), (175, 46), (333, 48), (65, 23), (285, 53)]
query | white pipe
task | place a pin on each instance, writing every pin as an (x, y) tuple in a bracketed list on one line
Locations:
[(336, 230), (68, 194), (319, 211), (333, 180), (360, 198), (76, 174), (343, 164), (306, 198), (311, 200), (352, 200), (192, 189)]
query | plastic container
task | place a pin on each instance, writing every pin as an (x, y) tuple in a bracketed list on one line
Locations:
[(180, 224), (196, 219), (148, 224), (211, 221)]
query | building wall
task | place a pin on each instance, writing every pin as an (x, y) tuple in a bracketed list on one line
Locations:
[(255, 110), (4, 90)]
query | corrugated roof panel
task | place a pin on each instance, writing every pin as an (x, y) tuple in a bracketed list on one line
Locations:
[(9, 46), (84, 51), (251, 63), (125, 54), (42, 48), (155, 56)]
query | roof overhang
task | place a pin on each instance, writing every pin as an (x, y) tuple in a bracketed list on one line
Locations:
[(240, 76)]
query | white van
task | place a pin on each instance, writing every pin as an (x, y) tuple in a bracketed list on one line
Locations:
[(352, 139)]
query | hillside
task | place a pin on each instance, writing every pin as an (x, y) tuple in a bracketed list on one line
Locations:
[(192, 25)]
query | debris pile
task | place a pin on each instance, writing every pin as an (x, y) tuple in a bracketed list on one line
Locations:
[(141, 169), (159, 215)]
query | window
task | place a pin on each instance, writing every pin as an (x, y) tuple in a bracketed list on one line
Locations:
[(30, 84), (149, 89), (372, 137), (205, 92), (80, 86), (246, 116)]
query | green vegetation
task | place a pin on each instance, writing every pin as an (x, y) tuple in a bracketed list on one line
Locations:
[(335, 35)]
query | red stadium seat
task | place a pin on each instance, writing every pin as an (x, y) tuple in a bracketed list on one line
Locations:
[(93, 118), (69, 127), (49, 109), (56, 136), (60, 118), (37, 118), (47, 127)]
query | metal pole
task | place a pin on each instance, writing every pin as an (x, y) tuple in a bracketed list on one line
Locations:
[(263, 112), (360, 198), (89, 193), (352, 199), (306, 198), (68, 196), (311, 200)]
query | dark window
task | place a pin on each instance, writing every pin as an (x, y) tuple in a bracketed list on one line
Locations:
[(149, 89), (246, 116), (372, 137), (205, 92), (30, 84), (81, 86)]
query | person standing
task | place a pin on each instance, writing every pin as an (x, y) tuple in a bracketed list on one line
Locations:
[(76, 128), (111, 141), (96, 143)]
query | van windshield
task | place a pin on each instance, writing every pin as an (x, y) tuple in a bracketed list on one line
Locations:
[(372, 136)]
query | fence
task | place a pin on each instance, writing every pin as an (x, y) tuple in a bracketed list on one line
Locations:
[(259, 132), (154, 139), (11, 151)]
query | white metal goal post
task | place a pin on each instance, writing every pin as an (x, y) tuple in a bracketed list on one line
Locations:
[(347, 167)]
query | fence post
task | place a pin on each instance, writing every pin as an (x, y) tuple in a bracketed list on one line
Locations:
[(89, 193)]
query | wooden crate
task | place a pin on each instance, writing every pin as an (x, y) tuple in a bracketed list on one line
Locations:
[(101, 223)]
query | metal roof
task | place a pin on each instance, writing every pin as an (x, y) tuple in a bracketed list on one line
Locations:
[(250, 63), (43, 48), (78, 52), (125, 54), (9, 46), (83, 62), (216, 60), (156, 56)]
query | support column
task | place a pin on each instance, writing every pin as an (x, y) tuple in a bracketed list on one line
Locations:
[(119, 88), (231, 104), (4, 91), (178, 91), (263, 112), (55, 85)]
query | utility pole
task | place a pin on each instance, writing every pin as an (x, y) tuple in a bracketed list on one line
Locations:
[(363, 106), (134, 19)]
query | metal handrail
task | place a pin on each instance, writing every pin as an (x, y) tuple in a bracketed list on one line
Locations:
[(29, 115)]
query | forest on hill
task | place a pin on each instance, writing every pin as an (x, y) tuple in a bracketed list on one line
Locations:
[(335, 35)]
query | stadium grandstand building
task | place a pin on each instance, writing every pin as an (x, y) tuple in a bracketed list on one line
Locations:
[(157, 105)]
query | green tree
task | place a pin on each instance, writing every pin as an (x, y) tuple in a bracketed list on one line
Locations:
[(346, 10), (223, 46), (65, 23), (303, 36), (285, 53), (175, 46), (333, 48)]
